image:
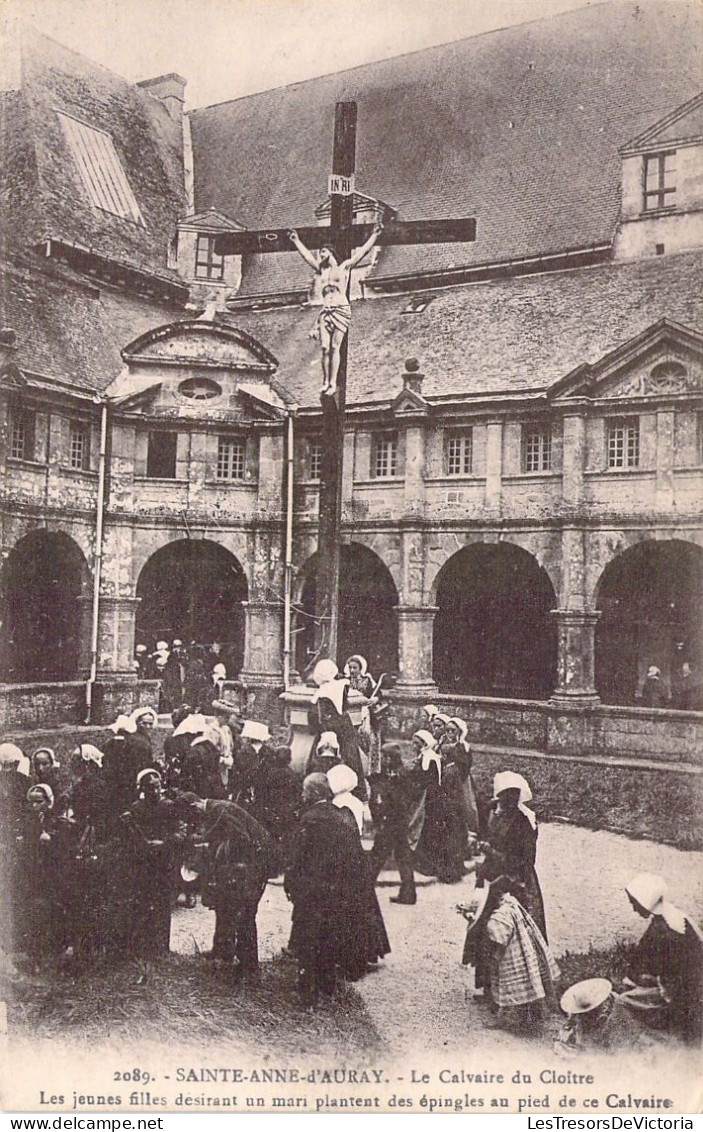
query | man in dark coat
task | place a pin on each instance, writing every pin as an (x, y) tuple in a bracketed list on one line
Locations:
[(394, 797), (241, 855), (328, 884)]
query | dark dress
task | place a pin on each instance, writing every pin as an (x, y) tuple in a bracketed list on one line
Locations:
[(241, 857), (394, 798), (442, 846), (13, 795), (200, 771), (276, 794), (677, 959), (334, 923), (323, 716), (512, 851), (153, 849), (44, 873)]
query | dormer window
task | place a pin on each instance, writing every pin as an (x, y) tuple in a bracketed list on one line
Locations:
[(659, 181), (100, 169), (208, 265)]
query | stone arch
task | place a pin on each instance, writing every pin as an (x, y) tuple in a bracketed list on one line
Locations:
[(537, 544), (193, 589), (41, 585), (649, 596), (367, 618), (494, 634)]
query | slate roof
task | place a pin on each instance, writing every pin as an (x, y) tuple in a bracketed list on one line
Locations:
[(41, 190), (67, 329), (518, 127), (513, 336)]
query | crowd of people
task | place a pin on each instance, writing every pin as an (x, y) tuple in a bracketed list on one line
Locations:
[(96, 856), (187, 673)]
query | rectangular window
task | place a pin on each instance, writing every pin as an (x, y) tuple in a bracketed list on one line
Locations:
[(460, 454), (100, 169), (624, 443), (231, 457), (22, 434), (537, 449), (208, 265), (315, 459), (79, 447), (659, 180), (384, 464), (161, 455)]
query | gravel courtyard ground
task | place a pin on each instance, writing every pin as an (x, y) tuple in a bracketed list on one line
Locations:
[(421, 989)]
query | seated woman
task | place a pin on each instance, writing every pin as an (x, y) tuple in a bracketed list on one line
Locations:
[(511, 844), (666, 972), (506, 946)]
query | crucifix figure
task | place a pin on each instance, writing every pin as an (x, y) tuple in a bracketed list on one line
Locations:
[(338, 243), (333, 321)]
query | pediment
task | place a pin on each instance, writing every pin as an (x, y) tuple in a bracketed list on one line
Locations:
[(667, 360), (204, 344), (408, 401), (684, 124), (210, 221), (12, 377)]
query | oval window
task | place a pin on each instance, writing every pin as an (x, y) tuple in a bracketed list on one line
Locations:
[(199, 389)]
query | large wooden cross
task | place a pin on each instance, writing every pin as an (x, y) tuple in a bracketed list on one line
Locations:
[(344, 236)]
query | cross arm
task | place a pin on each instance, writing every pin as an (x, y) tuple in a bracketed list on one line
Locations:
[(461, 231)]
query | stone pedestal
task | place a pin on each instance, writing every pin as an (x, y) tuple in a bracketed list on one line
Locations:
[(297, 700), (263, 644), (576, 657), (415, 627)]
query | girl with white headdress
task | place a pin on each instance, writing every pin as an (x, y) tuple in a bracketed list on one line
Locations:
[(511, 844), (329, 713), (360, 679), (456, 750), (88, 797), (45, 766), (43, 852), (666, 970)]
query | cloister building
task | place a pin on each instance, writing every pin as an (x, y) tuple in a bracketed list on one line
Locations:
[(523, 456)]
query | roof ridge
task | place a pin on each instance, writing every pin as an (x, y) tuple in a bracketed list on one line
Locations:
[(579, 7)]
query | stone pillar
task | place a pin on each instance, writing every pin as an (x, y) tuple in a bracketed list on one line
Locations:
[(415, 625), (664, 485), (574, 449), (116, 635), (263, 645), (494, 464), (414, 486), (576, 657)]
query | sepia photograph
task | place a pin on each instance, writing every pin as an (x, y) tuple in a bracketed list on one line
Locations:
[(351, 557)]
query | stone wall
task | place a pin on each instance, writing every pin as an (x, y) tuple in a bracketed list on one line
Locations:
[(630, 770)]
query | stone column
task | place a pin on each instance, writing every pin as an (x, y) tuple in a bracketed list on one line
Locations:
[(494, 464), (263, 645), (414, 486), (574, 449), (415, 626), (664, 485), (576, 657), (116, 636)]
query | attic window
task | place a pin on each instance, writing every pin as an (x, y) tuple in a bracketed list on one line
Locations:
[(417, 304), (659, 181), (199, 389), (100, 169)]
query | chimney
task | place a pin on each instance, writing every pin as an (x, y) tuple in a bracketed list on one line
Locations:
[(412, 378), (169, 89)]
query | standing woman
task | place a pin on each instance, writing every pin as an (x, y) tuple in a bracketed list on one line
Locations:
[(360, 680), (455, 736), (141, 743), (44, 850), (329, 713), (155, 835), (511, 846), (44, 766)]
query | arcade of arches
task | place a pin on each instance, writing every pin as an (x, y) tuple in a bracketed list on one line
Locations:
[(193, 589), (367, 618), (650, 598), (41, 584), (494, 634)]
